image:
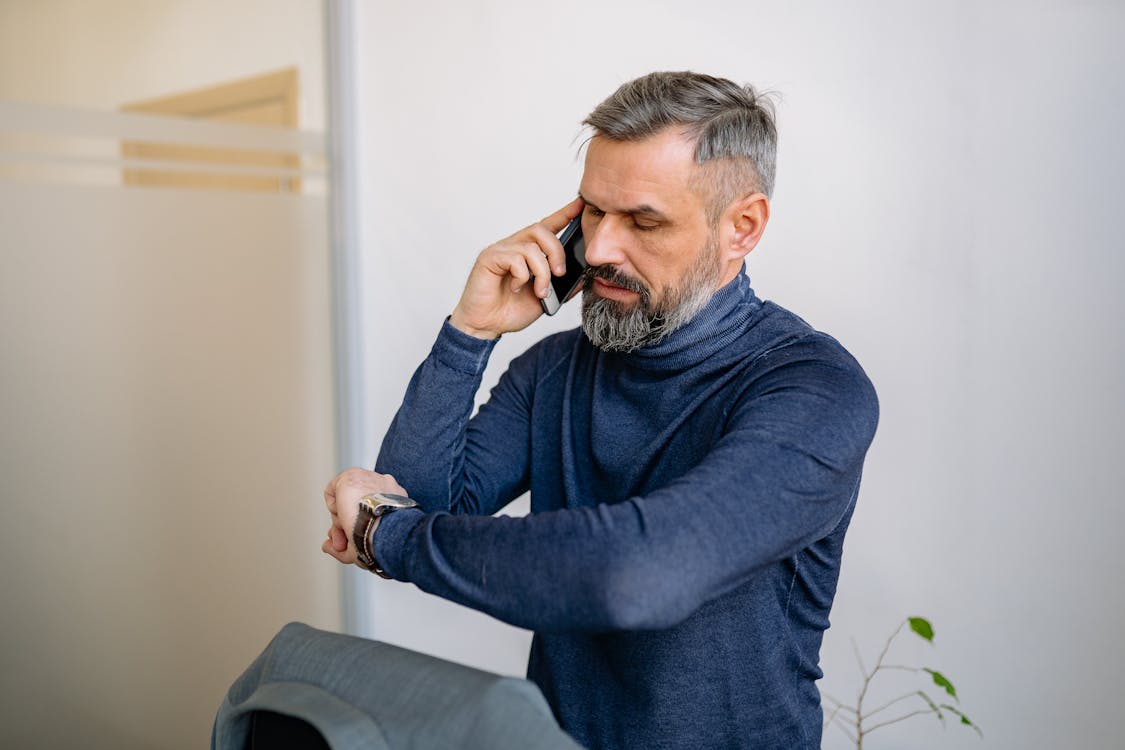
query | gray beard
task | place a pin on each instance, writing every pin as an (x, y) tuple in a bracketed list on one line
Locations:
[(614, 327)]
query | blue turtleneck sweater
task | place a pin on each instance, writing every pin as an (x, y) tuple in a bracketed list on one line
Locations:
[(689, 502)]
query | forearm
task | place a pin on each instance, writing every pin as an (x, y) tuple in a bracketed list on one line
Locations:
[(646, 563), (541, 572), (446, 460)]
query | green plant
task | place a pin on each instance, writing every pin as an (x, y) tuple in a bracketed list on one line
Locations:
[(856, 722)]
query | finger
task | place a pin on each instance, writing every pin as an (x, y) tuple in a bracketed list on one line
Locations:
[(330, 495), (559, 219), (523, 258), (339, 538), (341, 557), (552, 250), (513, 263), (534, 256)]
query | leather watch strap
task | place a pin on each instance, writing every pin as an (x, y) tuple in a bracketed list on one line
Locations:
[(371, 510), (362, 536)]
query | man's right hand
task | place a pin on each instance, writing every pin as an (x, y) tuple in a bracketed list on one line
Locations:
[(500, 296)]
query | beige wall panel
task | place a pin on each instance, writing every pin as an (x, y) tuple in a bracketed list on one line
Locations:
[(165, 434)]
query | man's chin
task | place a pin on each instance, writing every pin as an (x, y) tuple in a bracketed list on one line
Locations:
[(615, 305), (618, 308)]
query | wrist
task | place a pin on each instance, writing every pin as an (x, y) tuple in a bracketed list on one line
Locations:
[(372, 508), (457, 320)]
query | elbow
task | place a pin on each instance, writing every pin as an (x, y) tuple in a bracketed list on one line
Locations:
[(640, 596), (618, 614)]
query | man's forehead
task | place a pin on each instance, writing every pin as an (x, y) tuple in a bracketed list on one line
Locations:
[(652, 172)]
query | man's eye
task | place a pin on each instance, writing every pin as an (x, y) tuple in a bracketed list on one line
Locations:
[(645, 227), (594, 211)]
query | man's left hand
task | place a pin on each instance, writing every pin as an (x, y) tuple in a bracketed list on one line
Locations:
[(342, 496)]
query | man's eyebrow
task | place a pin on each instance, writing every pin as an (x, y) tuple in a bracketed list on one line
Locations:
[(642, 210)]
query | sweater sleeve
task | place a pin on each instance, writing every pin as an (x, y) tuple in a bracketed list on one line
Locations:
[(781, 477), (440, 455)]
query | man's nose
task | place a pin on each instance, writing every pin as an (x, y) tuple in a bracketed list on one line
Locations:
[(604, 243)]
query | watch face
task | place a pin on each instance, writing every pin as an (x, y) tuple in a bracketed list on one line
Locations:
[(381, 502), (399, 501)]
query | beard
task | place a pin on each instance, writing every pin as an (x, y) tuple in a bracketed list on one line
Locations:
[(617, 327)]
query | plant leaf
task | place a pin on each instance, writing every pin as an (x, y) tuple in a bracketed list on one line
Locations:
[(964, 719), (942, 682), (922, 627)]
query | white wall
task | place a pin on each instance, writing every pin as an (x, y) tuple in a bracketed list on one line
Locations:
[(949, 176)]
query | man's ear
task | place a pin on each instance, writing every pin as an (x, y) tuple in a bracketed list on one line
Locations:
[(742, 224)]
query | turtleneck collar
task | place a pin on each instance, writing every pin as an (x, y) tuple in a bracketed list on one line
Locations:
[(714, 328)]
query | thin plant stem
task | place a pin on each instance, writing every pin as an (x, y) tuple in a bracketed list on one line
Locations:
[(888, 705), (858, 658), (859, 730), (844, 727), (901, 718), (887, 646), (839, 703)]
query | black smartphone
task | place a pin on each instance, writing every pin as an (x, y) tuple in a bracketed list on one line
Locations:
[(562, 287)]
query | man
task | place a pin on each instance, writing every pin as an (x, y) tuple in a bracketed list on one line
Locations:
[(693, 453)]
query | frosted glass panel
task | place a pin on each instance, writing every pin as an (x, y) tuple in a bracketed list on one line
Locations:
[(165, 433), (166, 392), (65, 144)]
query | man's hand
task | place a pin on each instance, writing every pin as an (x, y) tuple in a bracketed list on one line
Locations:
[(342, 496), (498, 297)]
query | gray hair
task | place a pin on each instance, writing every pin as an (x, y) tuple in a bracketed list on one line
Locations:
[(733, 128)]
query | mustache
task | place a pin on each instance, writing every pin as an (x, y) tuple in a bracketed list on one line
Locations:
[(614, 276)]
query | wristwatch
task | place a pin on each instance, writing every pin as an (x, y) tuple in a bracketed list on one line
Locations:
[(372, 508)]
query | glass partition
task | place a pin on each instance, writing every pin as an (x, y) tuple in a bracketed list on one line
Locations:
[(166, 412)]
